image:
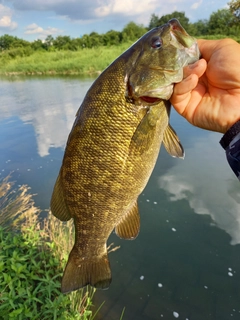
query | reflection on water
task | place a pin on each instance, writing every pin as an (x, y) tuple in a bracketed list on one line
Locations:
[(208, 184), (182, 265), (49, 108), (36, 117)]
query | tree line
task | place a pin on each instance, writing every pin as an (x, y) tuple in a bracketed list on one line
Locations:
[(225, 22)]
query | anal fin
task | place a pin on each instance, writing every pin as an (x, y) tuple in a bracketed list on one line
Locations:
[(129, 225), (172, 143), (58, 206)]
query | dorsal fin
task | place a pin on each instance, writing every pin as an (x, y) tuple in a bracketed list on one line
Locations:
[(58, 206), (129, 225)]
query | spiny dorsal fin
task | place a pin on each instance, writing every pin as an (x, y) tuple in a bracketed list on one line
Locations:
[(58, 206), (172, 143), (129, 226)]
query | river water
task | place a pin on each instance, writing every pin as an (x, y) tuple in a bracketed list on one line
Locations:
[(185, 262)]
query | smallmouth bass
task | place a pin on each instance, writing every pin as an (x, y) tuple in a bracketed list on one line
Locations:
[(113, 147)]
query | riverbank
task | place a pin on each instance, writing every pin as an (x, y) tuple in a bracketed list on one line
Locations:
[(86, 61), (65, 62)]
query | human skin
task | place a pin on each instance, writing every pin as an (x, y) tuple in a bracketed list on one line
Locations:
[(209, 95)]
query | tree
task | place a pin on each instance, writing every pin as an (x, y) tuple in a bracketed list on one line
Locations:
[(201, 27), (8, 42), (38, 45), (234, 7), (178, 15), (111, 38), (153, 21), (62, 42), (221, 22), (48, 41), (96, 39), (133, 31)]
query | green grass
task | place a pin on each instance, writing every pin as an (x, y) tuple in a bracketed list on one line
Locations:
[(84, 61), (32, 259), (218, 37)]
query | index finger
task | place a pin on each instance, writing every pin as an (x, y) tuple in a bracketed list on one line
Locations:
[(207, 47)]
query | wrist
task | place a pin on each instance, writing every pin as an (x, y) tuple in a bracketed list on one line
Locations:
[(230, 135)]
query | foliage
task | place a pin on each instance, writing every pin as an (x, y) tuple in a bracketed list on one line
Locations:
[(222, 22), (201, 27), (15, 204), (153, 21), (234, 7), (90, 53), (132, 31), (111, 38), (62, 43), (31, 263), (85, 61), (8, 42), (176, 14)]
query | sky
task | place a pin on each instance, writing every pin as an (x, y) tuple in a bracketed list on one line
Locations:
[(36, 19)]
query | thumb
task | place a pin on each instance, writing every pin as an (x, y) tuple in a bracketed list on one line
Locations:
[(198, 68)]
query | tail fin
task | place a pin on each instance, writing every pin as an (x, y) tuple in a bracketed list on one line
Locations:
[(80, 272)]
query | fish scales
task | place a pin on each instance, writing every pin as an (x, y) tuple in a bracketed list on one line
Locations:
[(113, 147)]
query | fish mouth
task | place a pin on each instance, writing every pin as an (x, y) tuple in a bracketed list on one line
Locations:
[(184, 41), (150, 100), (180, 33)]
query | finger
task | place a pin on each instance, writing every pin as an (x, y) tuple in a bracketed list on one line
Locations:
[(185, 86), (182, 90), (188, 105), (198, 68), (187, 95), (207, 47), (182, 93)]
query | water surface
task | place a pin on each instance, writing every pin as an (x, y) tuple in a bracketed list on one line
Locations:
[(185, 263)]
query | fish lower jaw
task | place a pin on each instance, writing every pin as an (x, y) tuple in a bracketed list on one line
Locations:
[(155, 96)]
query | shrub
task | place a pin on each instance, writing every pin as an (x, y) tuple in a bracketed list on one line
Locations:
[(31, 263)]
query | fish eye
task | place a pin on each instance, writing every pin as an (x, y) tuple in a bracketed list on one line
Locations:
[(156, 43)]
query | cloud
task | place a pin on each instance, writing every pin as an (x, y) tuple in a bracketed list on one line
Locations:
[(95, 9), (124, 7), (6, 22), (113, 14), (42, 33), (209, 188), (195, 5), (33, 29), (73, 9)]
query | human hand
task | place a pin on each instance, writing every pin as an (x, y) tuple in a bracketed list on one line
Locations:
[(209, 95)]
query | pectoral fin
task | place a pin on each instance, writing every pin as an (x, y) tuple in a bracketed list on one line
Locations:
[(129, 226), (143, 136), (172, 143)]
